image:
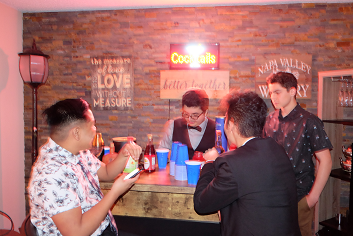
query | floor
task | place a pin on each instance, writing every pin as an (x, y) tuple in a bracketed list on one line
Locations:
[(139, 226)]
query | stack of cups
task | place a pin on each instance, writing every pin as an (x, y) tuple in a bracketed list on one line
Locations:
[(173, 156), (180, 166)]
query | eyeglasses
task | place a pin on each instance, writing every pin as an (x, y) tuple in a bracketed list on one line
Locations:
[(192, 116)]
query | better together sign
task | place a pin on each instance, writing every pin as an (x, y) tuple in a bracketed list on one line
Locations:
[(174, 83)]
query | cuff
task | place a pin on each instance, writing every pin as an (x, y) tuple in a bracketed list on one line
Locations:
[(208, 161)]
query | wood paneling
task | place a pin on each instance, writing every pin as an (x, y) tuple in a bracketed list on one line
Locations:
[(159, 195)]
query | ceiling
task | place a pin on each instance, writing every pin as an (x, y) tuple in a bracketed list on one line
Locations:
[(90, 5)]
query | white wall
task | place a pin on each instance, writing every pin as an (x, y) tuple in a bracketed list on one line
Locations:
[(12, 187)]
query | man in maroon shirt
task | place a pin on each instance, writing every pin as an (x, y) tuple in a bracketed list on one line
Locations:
[(302, 135)]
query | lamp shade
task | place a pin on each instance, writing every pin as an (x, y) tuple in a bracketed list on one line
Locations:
[(34, 66)]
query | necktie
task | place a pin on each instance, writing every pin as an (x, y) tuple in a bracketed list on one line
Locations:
[(198, 128), (97, 188)]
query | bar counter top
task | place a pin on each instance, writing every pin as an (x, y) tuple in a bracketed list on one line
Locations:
[(158, 181), (159, 195)]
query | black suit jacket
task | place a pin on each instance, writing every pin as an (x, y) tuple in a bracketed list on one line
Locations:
[(253, 187)]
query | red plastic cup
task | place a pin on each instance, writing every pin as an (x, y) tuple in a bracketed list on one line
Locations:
[(198, 156)]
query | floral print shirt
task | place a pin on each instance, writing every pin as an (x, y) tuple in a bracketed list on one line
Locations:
[(58, 184)]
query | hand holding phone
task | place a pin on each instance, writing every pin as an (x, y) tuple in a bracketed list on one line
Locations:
[(135, 172)]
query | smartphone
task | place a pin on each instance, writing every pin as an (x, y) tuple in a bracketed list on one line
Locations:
[(135, 172)]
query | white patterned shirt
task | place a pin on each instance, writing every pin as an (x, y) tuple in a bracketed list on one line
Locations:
[(58, 184)]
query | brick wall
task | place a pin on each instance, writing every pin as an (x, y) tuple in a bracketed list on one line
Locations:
[(244, 32)]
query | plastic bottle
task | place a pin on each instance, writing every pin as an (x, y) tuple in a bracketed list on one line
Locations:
[(150, 155), (131, 164), (107, 158), (218, 144)]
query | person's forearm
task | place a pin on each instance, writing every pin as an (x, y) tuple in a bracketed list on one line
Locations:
[(94, 217), (74, 223), (115, 167), (323, 173), (166, 141), (202, 205)]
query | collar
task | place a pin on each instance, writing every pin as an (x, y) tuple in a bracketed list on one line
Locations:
[(202, 125), (247, 141), (63, 152), (291, 114)]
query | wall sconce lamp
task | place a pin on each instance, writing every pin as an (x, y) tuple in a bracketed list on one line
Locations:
[(34, 72)]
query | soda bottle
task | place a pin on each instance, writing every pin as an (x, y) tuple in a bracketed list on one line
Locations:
[(150, 155), (131, 164), (218, 144)]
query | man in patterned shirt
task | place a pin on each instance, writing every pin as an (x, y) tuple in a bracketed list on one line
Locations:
[(302, 135), (64, 192)]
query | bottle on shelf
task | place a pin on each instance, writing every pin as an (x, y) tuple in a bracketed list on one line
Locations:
[(218, 144), (131, 163), (150, 155)]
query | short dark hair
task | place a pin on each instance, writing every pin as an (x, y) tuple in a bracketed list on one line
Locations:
[(66, 112), (196, 98), (248, 112), (286, 80)]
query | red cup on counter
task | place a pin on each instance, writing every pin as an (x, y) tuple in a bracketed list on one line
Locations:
[(198, 156)]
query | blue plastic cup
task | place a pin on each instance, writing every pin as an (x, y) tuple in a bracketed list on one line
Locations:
[(193, 171), (162, 157), (180, 166), (182, 155), (173, 155)]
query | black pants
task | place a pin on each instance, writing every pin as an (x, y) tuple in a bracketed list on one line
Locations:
[(108, 232)]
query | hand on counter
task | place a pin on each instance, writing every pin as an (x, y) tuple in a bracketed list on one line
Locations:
[(210, 154)]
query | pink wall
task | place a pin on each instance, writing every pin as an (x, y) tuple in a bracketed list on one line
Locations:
[(12, 187)]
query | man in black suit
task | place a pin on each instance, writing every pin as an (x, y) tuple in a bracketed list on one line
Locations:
[(253, 186)]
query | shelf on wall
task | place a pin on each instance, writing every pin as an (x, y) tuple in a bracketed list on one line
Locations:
[(333, 224), (341, 174), (340, 121), (345, 78)]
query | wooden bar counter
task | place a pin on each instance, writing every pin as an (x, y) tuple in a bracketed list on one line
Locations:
[(159, 195)]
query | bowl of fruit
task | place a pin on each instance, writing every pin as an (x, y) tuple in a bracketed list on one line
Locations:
[(347, 152), (346, 165)]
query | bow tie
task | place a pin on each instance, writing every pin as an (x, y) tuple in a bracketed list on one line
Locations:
[(198, 128)]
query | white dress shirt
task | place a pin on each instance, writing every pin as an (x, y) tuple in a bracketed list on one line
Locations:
[(194, 135)]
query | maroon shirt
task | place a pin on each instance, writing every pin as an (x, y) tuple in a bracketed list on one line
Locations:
[(301, 133)]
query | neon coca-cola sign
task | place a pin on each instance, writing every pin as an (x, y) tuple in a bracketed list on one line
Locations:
[(194, 56)]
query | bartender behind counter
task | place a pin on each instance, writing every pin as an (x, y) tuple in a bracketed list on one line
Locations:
[(194, 128)]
